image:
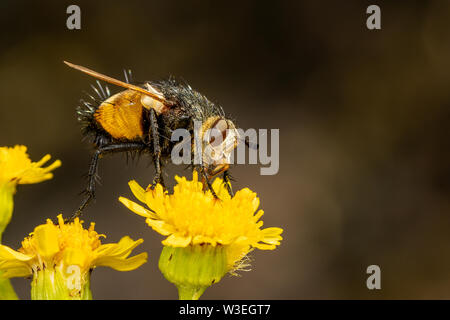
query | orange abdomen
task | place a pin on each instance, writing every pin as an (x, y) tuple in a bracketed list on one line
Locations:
[(121, 115)]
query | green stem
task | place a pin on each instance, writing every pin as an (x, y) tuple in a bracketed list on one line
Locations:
[(6, 205), (6, 290), (6, 208), (190, 292)]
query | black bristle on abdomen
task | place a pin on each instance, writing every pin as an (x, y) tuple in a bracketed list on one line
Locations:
[(86, 110)]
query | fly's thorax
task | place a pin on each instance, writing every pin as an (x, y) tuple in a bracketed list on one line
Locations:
[(154, 102)]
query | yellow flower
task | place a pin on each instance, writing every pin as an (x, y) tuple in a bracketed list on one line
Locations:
[(191, 217), (17, 168), (67, 253)]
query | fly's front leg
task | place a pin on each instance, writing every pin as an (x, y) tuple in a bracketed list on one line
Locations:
[(154, 133), (206, 182), (227, 181)]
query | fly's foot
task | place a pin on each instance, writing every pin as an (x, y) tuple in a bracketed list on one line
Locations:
[(157, 180)]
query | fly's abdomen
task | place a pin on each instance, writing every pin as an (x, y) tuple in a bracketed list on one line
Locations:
[(121, 115)]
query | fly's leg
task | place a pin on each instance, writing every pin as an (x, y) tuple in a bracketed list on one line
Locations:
[(154, 130), (227, 181), (90, 190), (206, 182)]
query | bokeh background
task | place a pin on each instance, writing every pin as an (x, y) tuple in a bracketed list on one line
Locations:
[(363, 116)]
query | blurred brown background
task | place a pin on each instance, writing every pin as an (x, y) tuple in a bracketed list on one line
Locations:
[(363, 118)]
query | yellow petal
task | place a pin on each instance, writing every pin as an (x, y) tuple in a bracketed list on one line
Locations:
[(121, 264), (34, 173), (160, 226), (220, 188), (7, 253), (76, 256), (263, 246), (54, 165), (273, 232), (137, 190), (46, 236), (14, 263), (155, 199), (136, 208), (121, 249), (17, 272), (258, 215), (199, 239), (175, 240), (42, 161)]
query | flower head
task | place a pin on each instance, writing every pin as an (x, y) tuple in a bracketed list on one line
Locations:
[(206, 237), (56, 249), (17, 168), (191, 216)]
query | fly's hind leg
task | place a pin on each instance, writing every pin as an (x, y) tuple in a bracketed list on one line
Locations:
[(154, 132), (90, 189)]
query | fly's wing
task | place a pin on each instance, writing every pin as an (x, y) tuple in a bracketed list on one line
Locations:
[(149, 92)]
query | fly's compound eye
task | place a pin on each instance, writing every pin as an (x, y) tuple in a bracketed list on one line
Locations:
[(218, 133)]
